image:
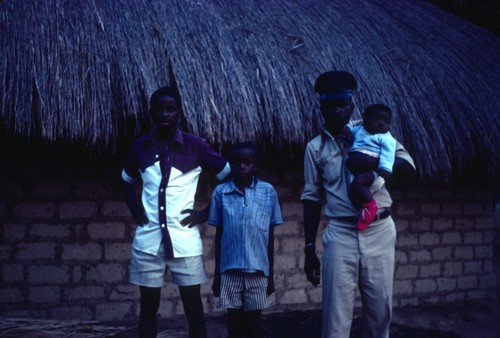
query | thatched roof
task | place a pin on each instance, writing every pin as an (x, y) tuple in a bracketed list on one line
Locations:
[(80, 71)]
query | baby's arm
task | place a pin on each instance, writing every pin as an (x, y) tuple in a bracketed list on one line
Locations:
[(387, 156)]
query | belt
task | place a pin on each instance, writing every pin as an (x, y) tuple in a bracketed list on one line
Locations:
[(353, 219)]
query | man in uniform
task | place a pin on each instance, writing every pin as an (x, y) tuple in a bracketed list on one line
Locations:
[(351, 258)]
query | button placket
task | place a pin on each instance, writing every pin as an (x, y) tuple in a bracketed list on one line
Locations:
[(166, 167)]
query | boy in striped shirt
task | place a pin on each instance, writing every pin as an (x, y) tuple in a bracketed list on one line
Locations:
[(244, 210)]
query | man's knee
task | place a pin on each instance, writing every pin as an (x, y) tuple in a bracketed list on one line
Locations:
[(150, 300), (191, 299)]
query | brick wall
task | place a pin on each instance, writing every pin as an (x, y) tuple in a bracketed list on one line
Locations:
[(65, 248), (444, 251)]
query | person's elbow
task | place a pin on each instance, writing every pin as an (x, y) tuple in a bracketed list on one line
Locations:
[(403, 170)]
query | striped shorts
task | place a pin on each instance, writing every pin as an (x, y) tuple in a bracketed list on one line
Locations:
[(242, 290)]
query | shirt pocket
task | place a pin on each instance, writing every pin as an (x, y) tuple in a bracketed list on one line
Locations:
[(330, 168), (262, 213)]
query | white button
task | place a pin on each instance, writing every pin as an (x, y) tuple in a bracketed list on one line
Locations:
[(162, 207), (157, 155), (161, 190), (163, 225)]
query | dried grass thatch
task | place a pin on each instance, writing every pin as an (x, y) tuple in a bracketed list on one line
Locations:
[(78, 71)]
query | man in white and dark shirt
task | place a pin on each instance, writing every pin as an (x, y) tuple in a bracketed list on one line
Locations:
[(168, 162)]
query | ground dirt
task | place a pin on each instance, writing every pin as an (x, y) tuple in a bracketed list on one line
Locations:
[(460, 320)]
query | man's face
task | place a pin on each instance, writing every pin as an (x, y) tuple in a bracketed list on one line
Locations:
[(165, 113), (336, 113)]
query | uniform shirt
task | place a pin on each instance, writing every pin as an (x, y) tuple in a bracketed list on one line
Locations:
[(246, 218), (170, 174), (326, 178), (382, 146)]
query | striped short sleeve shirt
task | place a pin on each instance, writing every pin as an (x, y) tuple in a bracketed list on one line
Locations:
[(246, 218)]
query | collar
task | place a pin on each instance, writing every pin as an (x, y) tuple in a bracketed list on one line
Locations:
[(233, 188), (178, 137), (325, 133)]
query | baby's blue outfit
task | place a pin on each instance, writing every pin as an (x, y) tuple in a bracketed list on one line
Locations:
[(382, 146)]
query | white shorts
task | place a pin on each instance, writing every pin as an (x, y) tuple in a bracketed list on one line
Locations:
[(149, 270)]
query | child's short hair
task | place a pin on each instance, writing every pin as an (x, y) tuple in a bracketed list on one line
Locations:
[(244, 145), (165, 91), (374, 108)]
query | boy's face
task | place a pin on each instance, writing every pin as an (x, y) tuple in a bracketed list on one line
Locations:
[(243, 163), (165, 113), (378, 122)]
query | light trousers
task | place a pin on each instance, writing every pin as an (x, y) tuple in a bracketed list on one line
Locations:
[(353, 258)]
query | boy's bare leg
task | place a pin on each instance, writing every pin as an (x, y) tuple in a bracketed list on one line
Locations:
[(235, 323), (359, 190), (362, 199), (252, 324)]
